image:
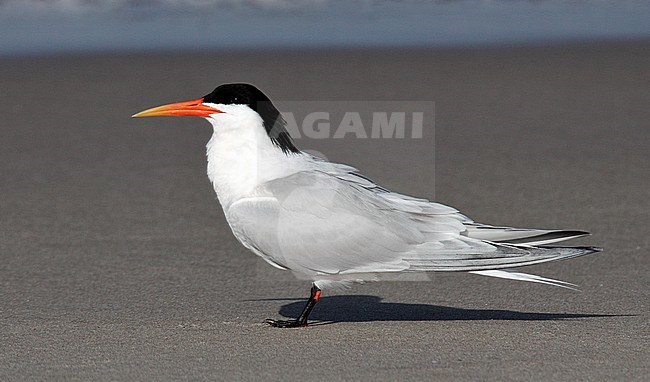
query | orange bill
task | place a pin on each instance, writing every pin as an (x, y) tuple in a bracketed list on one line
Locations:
[(193, 108)]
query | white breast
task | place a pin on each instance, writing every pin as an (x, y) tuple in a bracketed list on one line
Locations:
[(241, 156)]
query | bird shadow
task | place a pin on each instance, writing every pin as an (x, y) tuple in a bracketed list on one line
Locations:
[(363, 308)]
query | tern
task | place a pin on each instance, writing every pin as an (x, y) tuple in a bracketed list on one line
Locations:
[(333, 226)]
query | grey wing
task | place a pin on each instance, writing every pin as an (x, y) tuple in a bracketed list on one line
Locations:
[(313, 222), (337, 222)]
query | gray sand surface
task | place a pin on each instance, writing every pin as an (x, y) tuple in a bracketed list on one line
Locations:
[(116, 262)]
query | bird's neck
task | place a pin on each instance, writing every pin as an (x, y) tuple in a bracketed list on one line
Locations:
[(240, 161)]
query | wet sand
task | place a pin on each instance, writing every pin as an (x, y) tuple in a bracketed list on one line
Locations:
[(116, 262)]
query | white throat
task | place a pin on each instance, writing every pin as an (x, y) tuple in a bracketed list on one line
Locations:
[(241, 156)]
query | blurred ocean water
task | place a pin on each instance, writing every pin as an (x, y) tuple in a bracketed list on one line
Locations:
[(59, 26)]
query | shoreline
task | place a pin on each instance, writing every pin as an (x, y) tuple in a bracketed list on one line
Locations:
[(352, 49)]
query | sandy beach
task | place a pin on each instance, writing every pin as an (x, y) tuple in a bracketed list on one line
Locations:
[(116, 262)]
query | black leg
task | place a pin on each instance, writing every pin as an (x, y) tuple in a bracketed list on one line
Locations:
[(302, 320)]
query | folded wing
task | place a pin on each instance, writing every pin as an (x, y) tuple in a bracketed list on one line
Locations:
[(320, 223)]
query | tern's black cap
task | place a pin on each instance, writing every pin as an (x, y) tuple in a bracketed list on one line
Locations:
[(247, 94)]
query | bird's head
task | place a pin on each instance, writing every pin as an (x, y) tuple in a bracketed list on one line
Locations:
[(231, 100)]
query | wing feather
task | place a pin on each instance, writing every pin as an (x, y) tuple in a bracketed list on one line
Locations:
[(313, 222), (333, 221)]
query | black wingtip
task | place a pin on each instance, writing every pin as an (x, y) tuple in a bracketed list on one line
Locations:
[(585, 249), (560, 235)]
